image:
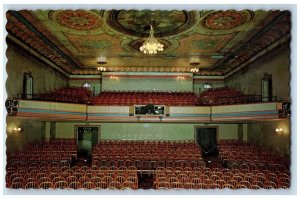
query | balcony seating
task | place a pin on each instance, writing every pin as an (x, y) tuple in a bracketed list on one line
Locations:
[(225, 95), (214, 96), (71, 95), (143, 98)]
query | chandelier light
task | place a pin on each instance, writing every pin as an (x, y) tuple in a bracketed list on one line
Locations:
[(151, 45), (194, 61), (101, 60)]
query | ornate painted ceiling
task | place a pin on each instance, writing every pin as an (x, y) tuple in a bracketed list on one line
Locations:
[(221, 40)]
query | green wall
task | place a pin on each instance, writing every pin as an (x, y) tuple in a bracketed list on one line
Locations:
[(199, 86), (95, 84), (278, 65), (264, 135), (44, 77), (146, 131), (32, 131), (146, 81)]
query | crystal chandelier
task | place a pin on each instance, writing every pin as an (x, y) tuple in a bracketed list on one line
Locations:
[(151, 45)]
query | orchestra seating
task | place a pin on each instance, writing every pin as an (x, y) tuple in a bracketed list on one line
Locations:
[(216, 178), (242, 155), (71, 95), (174, 165), (225, 95), (60, 150), (147, 154), (50, 175), (142, 98)]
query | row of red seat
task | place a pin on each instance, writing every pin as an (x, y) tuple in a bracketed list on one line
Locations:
[(215, 96), (71, 178), (225, 95), (52, 150), (165, 178), (71, 95), (235, 151), (146, 151), (132, 98)]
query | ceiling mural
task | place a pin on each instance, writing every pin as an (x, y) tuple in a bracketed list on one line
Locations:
[(90, 43), (224, 20), (221, 39), (204, 43), (137, 23), (78, 19)]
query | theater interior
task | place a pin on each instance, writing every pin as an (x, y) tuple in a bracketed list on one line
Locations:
[(185, 100)]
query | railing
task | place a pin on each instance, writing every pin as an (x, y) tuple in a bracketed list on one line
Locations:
[(234, 100), (206, 101)]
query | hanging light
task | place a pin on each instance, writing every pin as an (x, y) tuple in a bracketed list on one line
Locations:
[(194, 61), (151, 45), (101, 60)]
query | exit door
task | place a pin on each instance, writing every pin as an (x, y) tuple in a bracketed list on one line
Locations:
[(207, 139), (87, 138)]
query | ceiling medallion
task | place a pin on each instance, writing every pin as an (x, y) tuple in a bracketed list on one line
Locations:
[(224, 20), (78, 19)]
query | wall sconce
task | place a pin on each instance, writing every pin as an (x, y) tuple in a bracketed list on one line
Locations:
[(17, 129), (195, 70), (86, 85), (101, 69), (180, 78), (279, 131), (207, 86), (114, 77)]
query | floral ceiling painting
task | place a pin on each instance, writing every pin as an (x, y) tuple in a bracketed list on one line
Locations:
[(221, 39)]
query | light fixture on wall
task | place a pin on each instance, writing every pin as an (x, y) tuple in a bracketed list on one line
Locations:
[(195, 70), (151, 45), (86, 85), (101, 69), (279, 131), (181, 78), (17, 129), (207, 86)]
